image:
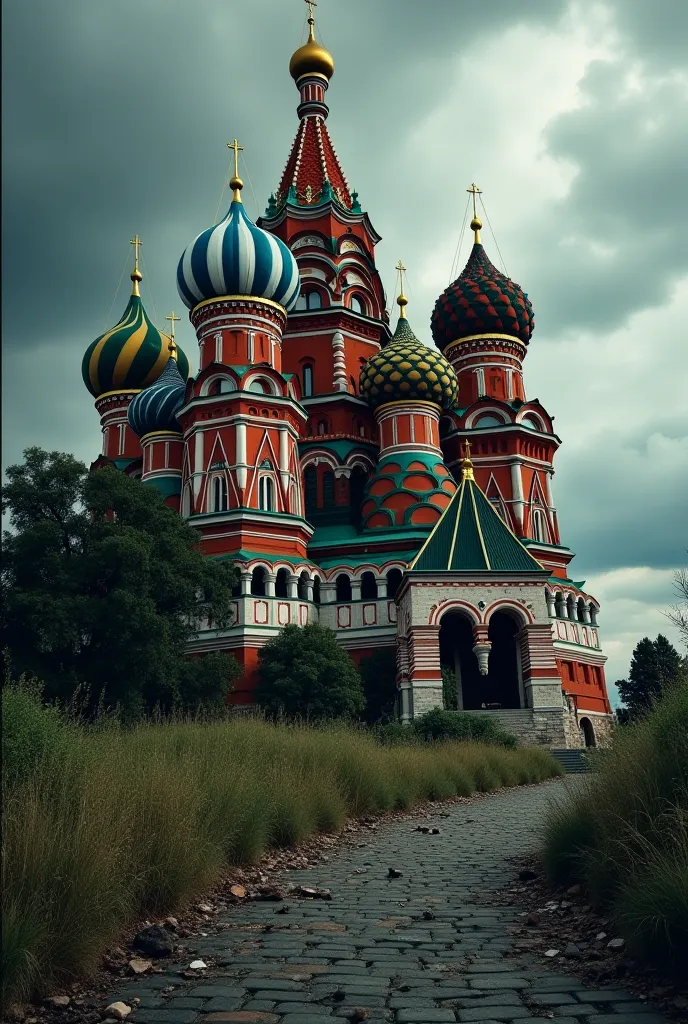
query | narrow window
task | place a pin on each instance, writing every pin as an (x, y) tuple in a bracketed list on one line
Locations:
[(393, 581), (343, 585), (356, 305), (219, 494), (258, 581), (368, 587), (313, 300), (266, 494), (307, 381)]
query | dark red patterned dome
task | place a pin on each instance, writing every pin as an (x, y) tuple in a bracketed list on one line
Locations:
[(481, 301)]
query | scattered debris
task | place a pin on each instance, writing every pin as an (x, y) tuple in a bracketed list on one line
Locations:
[(616, 944), (527, 875), (313, 893), (119, 1010), (428, 915), (198, 965), (139, 966), (360, 1013), (238, 891), (552, 952), (57, 1002), (338, 995), (533, 919), (154, 941), (394, 873), (572, 951)]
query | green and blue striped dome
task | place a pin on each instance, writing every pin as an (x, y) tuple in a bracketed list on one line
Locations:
[(131, 355), (156, 406)]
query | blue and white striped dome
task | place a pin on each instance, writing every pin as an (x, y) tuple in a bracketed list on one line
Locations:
[(235, 257), (155, 407)]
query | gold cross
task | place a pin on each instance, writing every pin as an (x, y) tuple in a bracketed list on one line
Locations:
[(237, 148), (467, 449), (402, 270), (311, 5), (172, 318), (136, 242), (475, 191)]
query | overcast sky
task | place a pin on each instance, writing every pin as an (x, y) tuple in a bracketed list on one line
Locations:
[(571, 116)]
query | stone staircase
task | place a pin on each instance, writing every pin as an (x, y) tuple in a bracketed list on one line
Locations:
[(574, 760)]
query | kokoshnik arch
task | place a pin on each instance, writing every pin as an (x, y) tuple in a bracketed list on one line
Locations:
[(396, 492)]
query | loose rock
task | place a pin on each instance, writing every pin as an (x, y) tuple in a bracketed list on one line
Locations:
[(616, 944), (57, 1002), (572, 951), (120, 1011), (154, 941), (139, 966), (526, 875), (394, 873)]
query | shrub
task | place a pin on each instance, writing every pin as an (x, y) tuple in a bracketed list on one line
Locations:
[(455, 725), (118, 824), (31, 731), (625, 834)]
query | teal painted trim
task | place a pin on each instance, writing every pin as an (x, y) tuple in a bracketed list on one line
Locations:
[(341, 448), (247, 556), (168, 486)]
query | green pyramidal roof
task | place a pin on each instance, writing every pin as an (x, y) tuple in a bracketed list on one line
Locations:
[(471, 536)]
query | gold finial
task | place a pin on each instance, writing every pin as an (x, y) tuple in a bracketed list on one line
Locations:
[(311, 19), (466, 464), (235, 181), (476, 223), (136, 274), (402, 301), (173, 344), (311, 58)]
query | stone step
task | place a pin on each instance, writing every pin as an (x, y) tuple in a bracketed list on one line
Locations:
[(573, 760)]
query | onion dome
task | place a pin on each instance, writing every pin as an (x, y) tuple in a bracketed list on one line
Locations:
[(155, 408), (481, 301), (235, 257), (311, 58), (132, 354), (406, 369)]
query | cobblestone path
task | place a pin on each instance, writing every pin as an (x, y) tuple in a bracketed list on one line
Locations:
[(420, 949)]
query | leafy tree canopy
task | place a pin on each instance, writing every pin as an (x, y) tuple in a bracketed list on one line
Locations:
[(304, 672), (655, 665), (100, 587), (379, 678)]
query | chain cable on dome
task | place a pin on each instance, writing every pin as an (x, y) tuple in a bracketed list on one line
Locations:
[(146, 278), (107, 321), (225, 179), (250, 185), (494, 237), (455, 261)]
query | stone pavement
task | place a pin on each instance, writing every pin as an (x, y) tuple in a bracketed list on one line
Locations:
[(420, 949)]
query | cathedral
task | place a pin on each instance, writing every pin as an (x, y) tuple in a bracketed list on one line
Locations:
[(397, 492)]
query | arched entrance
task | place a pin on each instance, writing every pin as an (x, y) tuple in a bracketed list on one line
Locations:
[(588, 732), (456, 654), (502, 686)]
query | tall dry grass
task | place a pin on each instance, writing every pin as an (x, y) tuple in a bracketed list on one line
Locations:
[(625, 836), (105, 828)]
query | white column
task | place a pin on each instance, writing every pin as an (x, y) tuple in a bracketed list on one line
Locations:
[(246, 582), (284, 458), (198, 463), (480, 380), (355, 590), (517, 490), (339, 381), (551, 609), (270, 578), (309, 590), (293, 588), (242, 469), (381, 584), (328, 593)]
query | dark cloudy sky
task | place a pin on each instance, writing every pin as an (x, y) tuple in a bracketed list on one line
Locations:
[(571, 116)]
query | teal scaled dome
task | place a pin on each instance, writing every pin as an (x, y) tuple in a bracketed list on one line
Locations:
[(407, 370), (155, 408), (132, 354)]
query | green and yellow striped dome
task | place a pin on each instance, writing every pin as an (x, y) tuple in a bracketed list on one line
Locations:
[(131, 355), (408, 370)]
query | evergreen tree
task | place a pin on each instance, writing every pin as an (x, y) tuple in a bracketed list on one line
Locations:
[(100, 587), (305, 673), (655, 665)]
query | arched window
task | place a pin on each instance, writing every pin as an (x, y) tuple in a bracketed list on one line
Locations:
[(266, 494), (368, 587), (559, 605), (219, 494), (580, 608), (307, 380), (531, 423), (593, 614), (309, 300), (258, 581), (322, 427), (488, 421), (343, 585), (221, 386), (302, 586), (316, 590), (356, 305), (393, 582), (570, 608), (538, 527), (281, 581), (328, 489)]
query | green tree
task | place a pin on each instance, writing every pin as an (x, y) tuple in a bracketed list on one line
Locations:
[(304, 672), (379, 678), (450, 695), (100, 586), (655, 665)]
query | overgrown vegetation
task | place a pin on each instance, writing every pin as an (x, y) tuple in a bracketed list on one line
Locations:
[(100, 590), (437, 725), (625, 836), (105, 825)]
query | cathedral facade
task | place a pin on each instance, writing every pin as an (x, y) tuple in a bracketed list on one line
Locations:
[(399, 493)]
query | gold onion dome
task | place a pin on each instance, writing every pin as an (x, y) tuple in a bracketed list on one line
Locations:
[(133, 353), (407, 370), (311, 58)]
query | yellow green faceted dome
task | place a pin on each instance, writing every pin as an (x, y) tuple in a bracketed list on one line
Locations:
[(407, 370), (131, 355)]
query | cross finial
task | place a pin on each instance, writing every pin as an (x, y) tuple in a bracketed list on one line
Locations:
[(466, 464), (311, 4), (476, 223), (136, 274), (401, 299), (236, 183), (173, 344)]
